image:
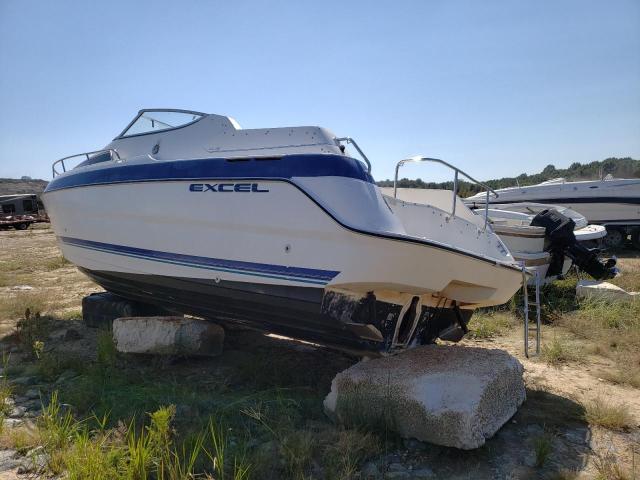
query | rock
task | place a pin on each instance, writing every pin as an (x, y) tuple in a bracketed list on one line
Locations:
[(397, 475), (17, 412), (65, 335), (596, 290), (99, 310), (31, 404), (579, 436), (9, 460), (21, 288), (448, 395), (396, 467), (523, 473), (412, 444), (530, 459), (369, 470), (534, 430), (11, 423), (25, 381), (66, 376), (32, 394), (34, 461), (72, 335), (423, 473), (168, 336)]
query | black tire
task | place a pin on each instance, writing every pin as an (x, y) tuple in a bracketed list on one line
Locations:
[(615, 238), (22, 226), (635, 238)]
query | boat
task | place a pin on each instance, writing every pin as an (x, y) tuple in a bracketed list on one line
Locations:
[(522, 227), (612, 202), (533, 243), (278, 229)]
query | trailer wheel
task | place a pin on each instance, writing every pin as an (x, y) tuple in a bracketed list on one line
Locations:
[(22, 226), (615, 238), (635, 238)]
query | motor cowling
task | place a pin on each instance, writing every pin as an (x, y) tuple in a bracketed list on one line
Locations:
[(562, 241)]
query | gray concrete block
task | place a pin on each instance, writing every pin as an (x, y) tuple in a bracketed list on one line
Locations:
[(448, 395), (168, 336)]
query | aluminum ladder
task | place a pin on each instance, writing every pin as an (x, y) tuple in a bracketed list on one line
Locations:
[(537, 326)]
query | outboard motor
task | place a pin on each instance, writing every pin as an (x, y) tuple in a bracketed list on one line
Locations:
[(559, 231)]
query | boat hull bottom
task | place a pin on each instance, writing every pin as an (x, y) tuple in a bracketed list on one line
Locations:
[(299, 312)]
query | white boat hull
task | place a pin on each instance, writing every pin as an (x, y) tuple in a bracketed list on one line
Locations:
[(130, 235)]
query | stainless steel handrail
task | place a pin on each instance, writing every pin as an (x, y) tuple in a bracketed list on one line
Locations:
[(457, 171), (350, 140), (55, 172)]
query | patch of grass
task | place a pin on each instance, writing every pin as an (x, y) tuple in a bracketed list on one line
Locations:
[(21, 439), (127, 452), (543, 446), (15, 306), (565, 474), (6, 389), (55, 263), (613, 328), (74, 314), (50, 365), (6, 280), (602, 413), (558, 298), (106, 349), (11, 265), (629, 279), (490, 324), (623, 375), (607, 468), (559, 351), (347, 450), (31, 330)]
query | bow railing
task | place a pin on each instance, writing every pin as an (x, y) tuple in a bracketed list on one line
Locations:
[(90, 158)]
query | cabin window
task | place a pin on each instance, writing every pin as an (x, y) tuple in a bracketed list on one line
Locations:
[(155, 121), (8, 208), (27, 205)]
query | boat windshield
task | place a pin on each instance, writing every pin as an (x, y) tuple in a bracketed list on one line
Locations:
[(150, 121)]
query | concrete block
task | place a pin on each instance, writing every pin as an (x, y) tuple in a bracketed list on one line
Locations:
[(448, 395), (168, 336), (596, 290), (99, 310)]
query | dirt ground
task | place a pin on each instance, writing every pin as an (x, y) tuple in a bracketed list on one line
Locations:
[(550, 426)]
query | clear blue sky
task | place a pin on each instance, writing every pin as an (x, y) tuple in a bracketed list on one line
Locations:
[(497, 87)]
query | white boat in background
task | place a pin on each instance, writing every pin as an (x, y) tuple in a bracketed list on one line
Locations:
[(519, 227), (612, 202), (275, 228), (532, 245)]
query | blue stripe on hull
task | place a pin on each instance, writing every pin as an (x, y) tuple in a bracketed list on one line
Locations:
[(286, 167), (281, 272)]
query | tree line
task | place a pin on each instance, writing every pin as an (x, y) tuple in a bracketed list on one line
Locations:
[(617, 167)]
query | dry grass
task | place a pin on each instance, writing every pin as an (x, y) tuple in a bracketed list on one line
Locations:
[(608, 468), (613, 331), (491, 324), (56, 263), (14, 306), (602, 413), (629, 279), (565, 474), (622, 375), (560, 350), (22, 439)]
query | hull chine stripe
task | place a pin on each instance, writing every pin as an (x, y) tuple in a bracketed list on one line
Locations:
[(264, 270)]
